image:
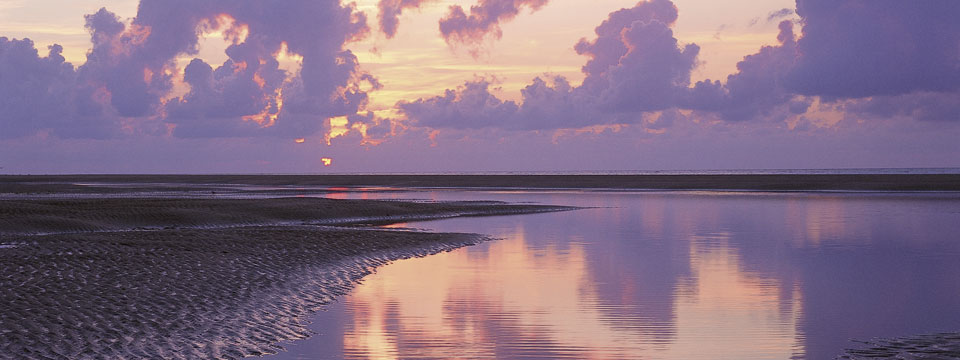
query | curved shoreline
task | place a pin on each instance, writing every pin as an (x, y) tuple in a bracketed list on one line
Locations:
[(102, 288)]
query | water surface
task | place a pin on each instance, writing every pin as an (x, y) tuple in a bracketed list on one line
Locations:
[(674, 275)]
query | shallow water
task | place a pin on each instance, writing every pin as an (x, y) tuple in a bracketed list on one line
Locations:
[(676, 275)]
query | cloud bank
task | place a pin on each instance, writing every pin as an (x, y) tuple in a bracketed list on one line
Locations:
[(870, 58), (864, 59), (131, 71)]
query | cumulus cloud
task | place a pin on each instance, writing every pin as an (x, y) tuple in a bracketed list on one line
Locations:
[(131, 70), (25, 78), (472, 106), (390, 10), (653, 73), (882, 58), (853, 49), (636, 64), (606, 50), (484, 19), (757, 87), (44, 94), (869, 58)]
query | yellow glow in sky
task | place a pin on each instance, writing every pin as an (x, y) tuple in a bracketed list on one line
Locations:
[(418, 63)]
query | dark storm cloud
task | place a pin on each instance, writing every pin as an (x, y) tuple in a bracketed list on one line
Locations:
[(484, 19)]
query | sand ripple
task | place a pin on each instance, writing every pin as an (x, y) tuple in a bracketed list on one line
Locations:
[(935, 346), (185, 294)]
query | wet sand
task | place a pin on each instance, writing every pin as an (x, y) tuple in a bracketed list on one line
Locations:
[(193, 278), (28, 216), (932, 346), (793, 182)]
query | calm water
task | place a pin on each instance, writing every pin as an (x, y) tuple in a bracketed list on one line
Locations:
[(683, 275)]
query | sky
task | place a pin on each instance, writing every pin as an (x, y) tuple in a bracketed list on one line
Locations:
[(376, 86)]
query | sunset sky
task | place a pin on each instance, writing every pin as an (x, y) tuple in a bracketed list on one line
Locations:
[(246, 86)]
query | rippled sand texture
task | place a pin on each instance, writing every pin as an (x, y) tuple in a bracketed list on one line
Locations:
[(193, 278), (936, 346), (224, 293), (85, 215)]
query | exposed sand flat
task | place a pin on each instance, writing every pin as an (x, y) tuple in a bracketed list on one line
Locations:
[(200, 284), (934, 346), (792, 182), (189, 294), (76, 215)]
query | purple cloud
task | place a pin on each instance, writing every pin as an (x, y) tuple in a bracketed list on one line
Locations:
[(756, 90), (484, 19), (636, 65), (44, 94), (859, 48), (472, 106), (925, 106), (871, 58), (390, 11), (779, 14), (131, 69), (606, 50)]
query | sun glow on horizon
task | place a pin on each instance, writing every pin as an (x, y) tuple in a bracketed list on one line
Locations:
[(338, 127)]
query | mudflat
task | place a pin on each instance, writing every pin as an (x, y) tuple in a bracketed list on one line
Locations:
[(35, 216), (194, 278), (768, 182)]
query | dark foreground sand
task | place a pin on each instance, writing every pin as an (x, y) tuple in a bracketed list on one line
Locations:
[(73, 215), (189, 279), (932, 347)]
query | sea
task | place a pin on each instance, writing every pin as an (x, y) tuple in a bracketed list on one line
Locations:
[(659, 275)]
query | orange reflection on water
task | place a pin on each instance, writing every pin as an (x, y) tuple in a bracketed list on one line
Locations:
[(462, 303), (509, 298), (729, 313), (338, 193), (816, 219)]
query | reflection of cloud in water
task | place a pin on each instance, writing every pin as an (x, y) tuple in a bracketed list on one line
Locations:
[(514, 301), (670, 275), (552, 300), (729, 313)]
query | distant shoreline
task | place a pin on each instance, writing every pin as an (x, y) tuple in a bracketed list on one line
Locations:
[(735, 182)]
